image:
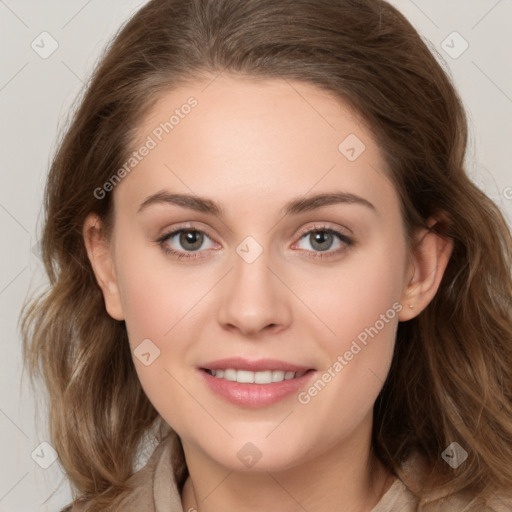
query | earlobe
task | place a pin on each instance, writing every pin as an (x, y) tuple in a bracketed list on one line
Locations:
[(429, 260), (101, 258)]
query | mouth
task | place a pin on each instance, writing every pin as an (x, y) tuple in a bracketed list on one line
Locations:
[(250, 377), (254, 384)]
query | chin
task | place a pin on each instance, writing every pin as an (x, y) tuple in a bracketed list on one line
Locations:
[(259, 454)]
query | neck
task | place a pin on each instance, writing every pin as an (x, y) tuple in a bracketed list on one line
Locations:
[(344, 478)]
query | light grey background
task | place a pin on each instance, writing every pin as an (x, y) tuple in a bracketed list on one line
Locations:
[(35, 96)]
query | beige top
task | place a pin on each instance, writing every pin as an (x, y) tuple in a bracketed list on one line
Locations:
[(155, 490)]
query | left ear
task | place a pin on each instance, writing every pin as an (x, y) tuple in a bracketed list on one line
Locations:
[(428, 261)]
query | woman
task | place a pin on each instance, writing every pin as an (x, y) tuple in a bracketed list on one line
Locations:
[(338, 334)]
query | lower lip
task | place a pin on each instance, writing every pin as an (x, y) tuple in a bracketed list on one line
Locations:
[(255, 395)]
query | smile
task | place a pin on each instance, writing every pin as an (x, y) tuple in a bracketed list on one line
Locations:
[(254, 384), (249, 377)]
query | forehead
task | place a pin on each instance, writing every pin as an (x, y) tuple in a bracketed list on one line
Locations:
[(251, 141)]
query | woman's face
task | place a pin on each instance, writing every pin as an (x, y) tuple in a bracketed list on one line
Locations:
[(259, 294)]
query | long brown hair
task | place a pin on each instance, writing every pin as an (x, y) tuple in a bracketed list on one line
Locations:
[(451, 377)]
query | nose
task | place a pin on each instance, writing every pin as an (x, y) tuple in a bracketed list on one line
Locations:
[(254, 299)]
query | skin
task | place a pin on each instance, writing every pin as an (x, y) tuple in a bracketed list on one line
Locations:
[(252, 147)]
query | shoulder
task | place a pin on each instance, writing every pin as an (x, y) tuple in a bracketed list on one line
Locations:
[(151, 489), (500, 504), (467, 504), (400, 497)]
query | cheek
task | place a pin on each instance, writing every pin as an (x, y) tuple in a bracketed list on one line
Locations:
[(360, 305), (361, 291), (161, 302), (157, 295), (158, 305)]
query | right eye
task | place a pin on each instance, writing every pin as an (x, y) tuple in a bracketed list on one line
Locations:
[(191, 240)]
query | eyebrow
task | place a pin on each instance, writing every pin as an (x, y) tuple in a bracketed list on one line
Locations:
[(293, 207)]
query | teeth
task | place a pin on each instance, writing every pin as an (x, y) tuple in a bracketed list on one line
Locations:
[(230, 374), (263, 377), (245, 377), (248, 377), (277, 376)]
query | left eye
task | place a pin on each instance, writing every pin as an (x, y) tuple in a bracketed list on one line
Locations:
[(322, 239)]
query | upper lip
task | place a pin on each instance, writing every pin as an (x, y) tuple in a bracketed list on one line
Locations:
[(239, 363)]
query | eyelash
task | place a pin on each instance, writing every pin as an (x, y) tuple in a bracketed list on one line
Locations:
[(179, 255)]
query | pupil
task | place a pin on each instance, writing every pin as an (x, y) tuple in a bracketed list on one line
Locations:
[(191, 237), (320, 238)]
